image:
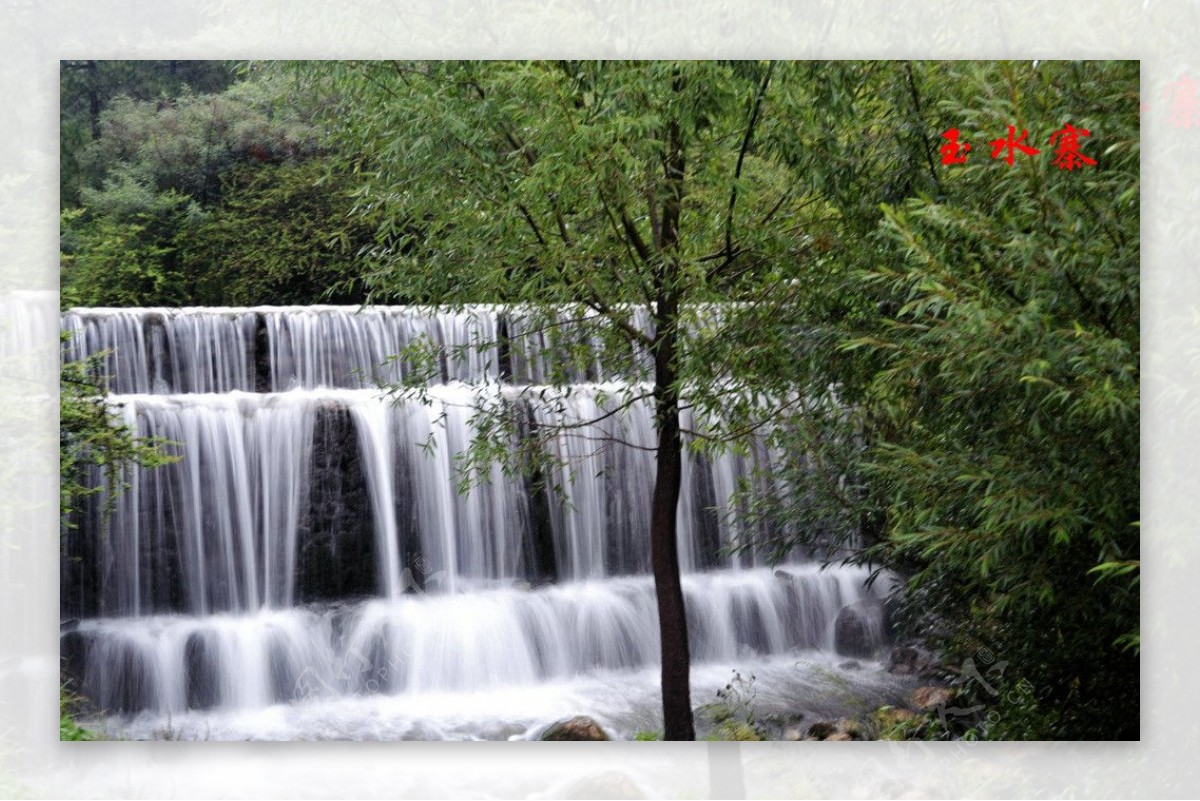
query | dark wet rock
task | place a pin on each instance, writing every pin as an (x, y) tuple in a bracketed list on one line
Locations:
[(907, 660), (861, 628), (903, 660), (849, 728), (850, 664), (73, 648), (822, 729), (580, 727), (843, 729), (201, 666), (121, 678), (335, 558)]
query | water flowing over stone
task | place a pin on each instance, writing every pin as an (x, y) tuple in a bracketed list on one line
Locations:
[(481, 640), (268, 348), (311, 542)]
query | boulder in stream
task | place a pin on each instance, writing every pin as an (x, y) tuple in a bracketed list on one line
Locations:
[(861, 628), (580, 727)]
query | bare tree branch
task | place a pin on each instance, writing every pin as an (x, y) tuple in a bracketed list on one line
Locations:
[(755, 108)]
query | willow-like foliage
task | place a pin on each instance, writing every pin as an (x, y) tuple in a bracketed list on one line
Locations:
[(989, 430)]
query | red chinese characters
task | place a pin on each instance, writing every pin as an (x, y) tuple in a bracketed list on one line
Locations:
[(1067, 155), (1012, 145), (952, 152), (1065, 141)]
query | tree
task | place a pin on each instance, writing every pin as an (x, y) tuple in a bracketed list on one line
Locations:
[(86, 88), (988, 378), (282, 233), (125, 252), (621, 197), (180, 196), (1010, 393)]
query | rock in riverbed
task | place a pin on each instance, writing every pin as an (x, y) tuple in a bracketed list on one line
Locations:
[(580, 727)]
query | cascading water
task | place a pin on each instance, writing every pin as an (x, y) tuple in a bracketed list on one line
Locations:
[(309, 569)]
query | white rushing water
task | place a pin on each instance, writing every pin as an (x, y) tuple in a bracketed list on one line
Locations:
[(276, 348), (310, 557), (449, 662)]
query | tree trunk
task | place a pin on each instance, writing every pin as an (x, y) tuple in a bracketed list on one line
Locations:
[(664, 548), (93, 92)]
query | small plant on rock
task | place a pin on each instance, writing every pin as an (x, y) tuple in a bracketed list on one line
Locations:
[(733, 712)]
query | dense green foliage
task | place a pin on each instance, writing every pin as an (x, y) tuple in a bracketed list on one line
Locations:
[(283, 235), (218, 197), (991, 394), (544, 184), (86, 88), (1007, 399)]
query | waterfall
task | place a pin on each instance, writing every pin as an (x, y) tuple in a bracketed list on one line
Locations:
[(481, 640), (311, 542)]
